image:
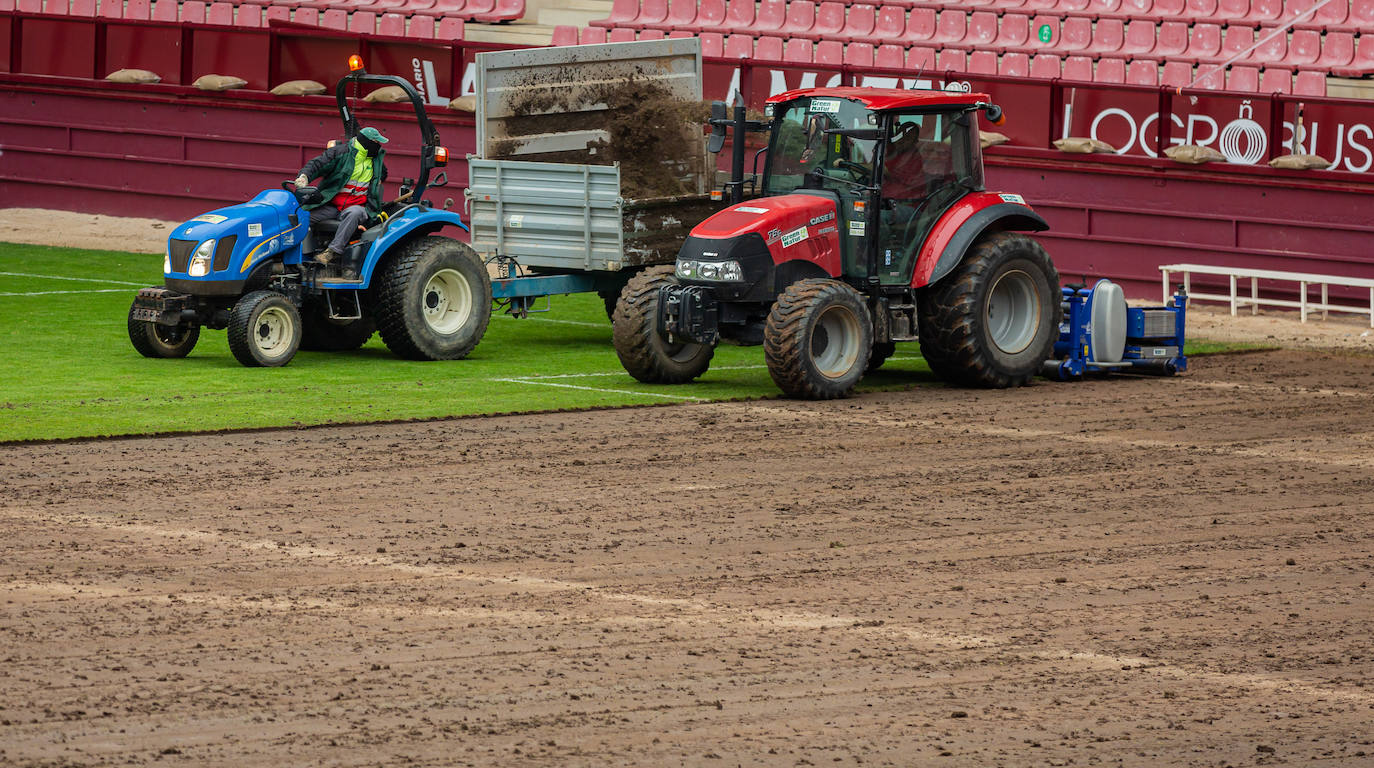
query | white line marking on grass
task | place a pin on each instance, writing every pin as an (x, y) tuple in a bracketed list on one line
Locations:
[(75, 279), (51, 293), (622, 373), (603, 389)]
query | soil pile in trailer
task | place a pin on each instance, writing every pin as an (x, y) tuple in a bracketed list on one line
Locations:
[(655, 135)]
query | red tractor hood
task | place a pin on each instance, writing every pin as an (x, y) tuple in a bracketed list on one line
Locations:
[(794, 227)]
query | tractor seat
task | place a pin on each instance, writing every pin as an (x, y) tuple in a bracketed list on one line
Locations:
[(325, 229)]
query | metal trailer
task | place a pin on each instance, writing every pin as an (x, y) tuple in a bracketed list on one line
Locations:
[(549, 226)]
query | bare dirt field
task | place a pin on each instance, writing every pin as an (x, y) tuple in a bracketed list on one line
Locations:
[(1149, 572)]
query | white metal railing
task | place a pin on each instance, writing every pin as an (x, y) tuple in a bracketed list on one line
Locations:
[(1304, 280)]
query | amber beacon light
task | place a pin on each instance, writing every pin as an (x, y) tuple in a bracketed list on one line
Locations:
[(355, 63)]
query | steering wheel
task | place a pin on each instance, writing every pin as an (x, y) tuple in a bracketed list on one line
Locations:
[(304, 195), (857, 170)]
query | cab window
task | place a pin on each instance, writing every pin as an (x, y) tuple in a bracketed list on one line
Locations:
[(803, 155)]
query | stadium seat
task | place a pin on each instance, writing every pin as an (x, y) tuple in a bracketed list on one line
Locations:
[(1276, 81), (363, 23), (334, 18), (652, 34), (247, 16), (1142, 72), (1236, 39), (87, 8), (768, 48), (770, 17), (1039, 5), (739, 14), (1210, 77), (682, 14), (921, 59), (710, 15), (859, 24), (391, 25), (1012, 65), (1108, 37), (1243, 78), (1072, 7), (1035, 43), (1330, 16), (1204, 44), (1176, 74), (1139, 40), (50, 7), (219, 13), (983, 62), (1136, 8), (422, 25), (739, 47), (950, 60), (166, 10), (1014, 33), (682, 34), (950, 27), (920, 26), (277, 13), (1078, 68), (622, 12), (1045, 66), (1173, 39), (858, 55), (651, 13), (1265, 10), (889, 26), (109, 9), (1309, 83), (1105, 9), (1110, 70), (453, 29), (1337, 52), (800, 18), (797, 51), (829, 21), (564, 34), (982, 29), (1273, 47), (1361, 16), (307, 16), (830, 52), (1306, 46), (621, 35), (1076, 34), (1169, 9), (1206, 10), (889, 57), (712, 45)]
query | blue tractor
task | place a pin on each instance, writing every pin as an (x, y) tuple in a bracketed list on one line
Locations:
[(249, 269)]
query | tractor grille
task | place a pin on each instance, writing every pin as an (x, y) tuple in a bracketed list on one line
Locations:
[(179, 251), (224, 249), (1159, 322)]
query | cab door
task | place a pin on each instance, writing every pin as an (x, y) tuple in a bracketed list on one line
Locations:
[(923, 165)]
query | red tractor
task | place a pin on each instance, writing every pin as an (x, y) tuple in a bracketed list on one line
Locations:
[(873, 227)]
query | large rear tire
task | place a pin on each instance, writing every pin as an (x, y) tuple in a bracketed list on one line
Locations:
[(818, 339), (264, 330), (993, 321), (321, 334), (646, 354), (162, 341), (433, 300)]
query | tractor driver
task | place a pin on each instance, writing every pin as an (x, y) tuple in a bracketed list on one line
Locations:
[(351, 176)]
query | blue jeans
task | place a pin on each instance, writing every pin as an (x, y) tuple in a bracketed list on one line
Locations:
[(349, 219)]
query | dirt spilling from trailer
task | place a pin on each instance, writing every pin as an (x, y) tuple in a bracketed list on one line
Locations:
[(653, 134)]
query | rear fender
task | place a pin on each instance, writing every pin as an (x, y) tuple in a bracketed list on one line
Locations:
[(410, 223), (963, 224)]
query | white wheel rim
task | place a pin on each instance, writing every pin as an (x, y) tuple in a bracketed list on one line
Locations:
[(273, 331), (835, 342), (1013, 312), (447, 301)]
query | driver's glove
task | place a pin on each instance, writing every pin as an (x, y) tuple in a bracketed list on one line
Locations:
[(302, 181)]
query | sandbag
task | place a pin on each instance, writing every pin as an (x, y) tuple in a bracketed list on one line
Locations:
[(299, 88), (1083, 145), (991, 139), (387, 95), (463, 104), (219, 82), (139, 76), (1300, 162), (1194, 154)]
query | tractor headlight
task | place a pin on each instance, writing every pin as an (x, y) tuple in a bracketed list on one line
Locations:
[(717, 271), (200, 262), (167, 264)]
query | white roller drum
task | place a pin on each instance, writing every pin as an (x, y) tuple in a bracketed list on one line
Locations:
[(1108, 337)]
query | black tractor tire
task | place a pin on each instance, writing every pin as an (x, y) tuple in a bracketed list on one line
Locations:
[(992, 321), (882, 350), (433, 300), (647, 355), (818, 339), (264, 330), (320, 333), (164, 341)]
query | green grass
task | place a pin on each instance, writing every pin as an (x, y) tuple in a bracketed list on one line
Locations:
[(70, 370)]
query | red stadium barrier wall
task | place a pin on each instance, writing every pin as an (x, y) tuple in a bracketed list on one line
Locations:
[(170, 151)]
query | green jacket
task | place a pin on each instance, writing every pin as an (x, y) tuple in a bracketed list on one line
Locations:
[(335, 166)]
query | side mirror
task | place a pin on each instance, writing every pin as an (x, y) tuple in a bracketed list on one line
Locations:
[(995, 115), (720, 117)]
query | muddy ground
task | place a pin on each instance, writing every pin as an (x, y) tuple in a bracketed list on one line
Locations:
[(1139, 572)]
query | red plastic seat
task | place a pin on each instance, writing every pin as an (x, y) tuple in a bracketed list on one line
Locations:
[(620, 35), (1013, 65), (710, 14), (651, 13), (829, 21), (1110, 70), (1076, 34), (422, 25), (1107, 9), (50, 7), (1013, 34), (166, 10), (950, 28), (1363, 61), (1139, 40), (712, 45), (1231, 9), (277, 13), (1039, 5), (219, 13), (797, 51), (1309, 83), (453, 29), (768, 48), (1273, 47), (682, 14), (1205, 10), (1176, 74), (770, 17), (739, 47), (1236, 39), (1329, 16), (889, 57), (1072, 7), (1045, 66), (141, 10), (87, 8), (334, 18), (1108, 37), (920, 26), (983, 62), (652, 34), (889, 26), (1265, 10), (564, 34), (1172, 40), (1078, 68), (1337, 52), (622, 12), (109, 9), (307, 16), (1142, 72), (1007, 5), (1137, 7), (830, 52), (1210, 77), (1204, 44), (921, 59), (858, 55), (1169, 9), (1361, 16), (248, 15), (1243, 78), (950, 60), (859, 24), (982, 29), (739, 15), (801, 17), (363, 23), (682, 34), (1276, 81), (391, 25), (1039, 22)]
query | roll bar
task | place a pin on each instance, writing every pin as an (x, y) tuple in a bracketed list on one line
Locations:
[(429, 135)]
